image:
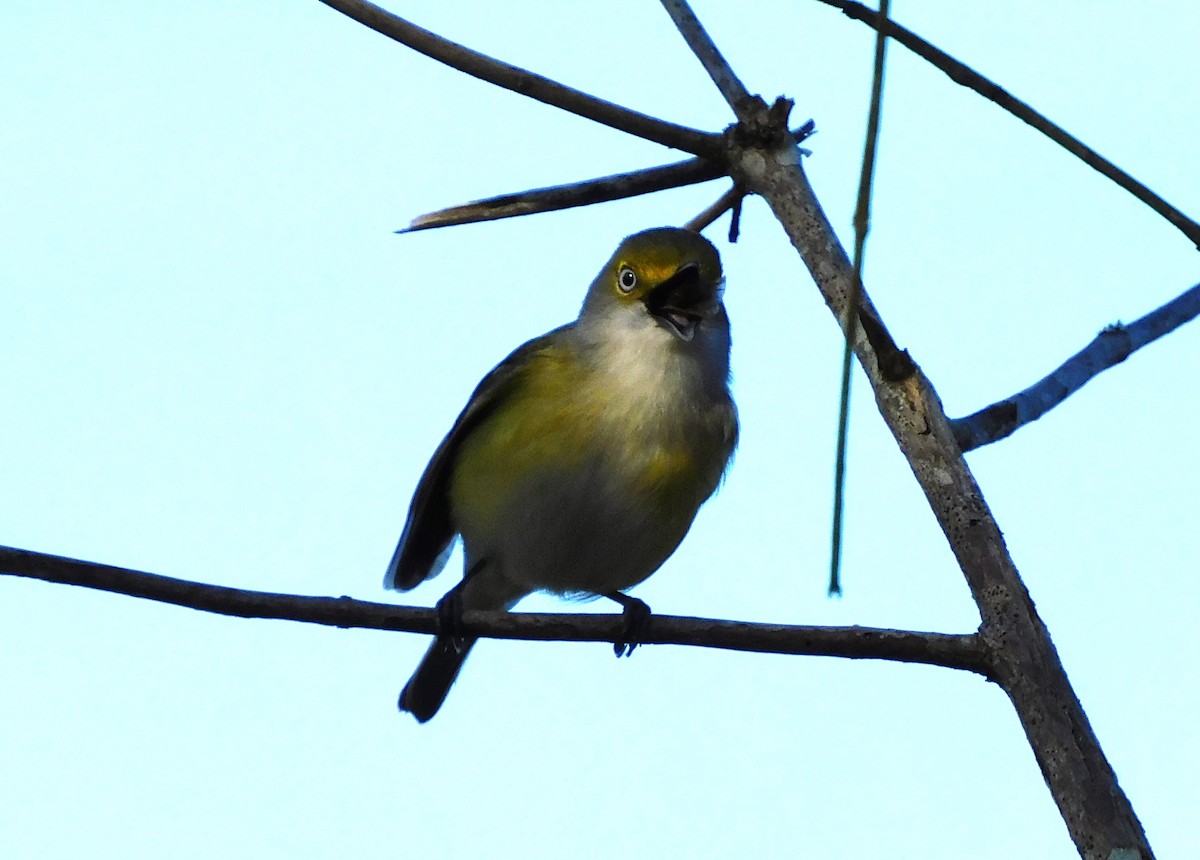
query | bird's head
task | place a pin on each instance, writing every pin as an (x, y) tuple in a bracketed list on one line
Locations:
[(668, 275)]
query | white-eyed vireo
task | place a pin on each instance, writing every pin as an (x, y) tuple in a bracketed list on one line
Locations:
[(580, 461)]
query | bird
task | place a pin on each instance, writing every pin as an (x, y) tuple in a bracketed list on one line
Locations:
[(580, 461)]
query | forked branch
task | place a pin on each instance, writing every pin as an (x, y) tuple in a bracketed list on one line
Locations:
[(1095, 809), (1097, 813)]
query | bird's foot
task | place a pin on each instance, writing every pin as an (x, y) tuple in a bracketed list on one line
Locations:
[(635, 614)]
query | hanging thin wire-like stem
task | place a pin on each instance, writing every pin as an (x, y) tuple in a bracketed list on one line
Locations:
[(862, 225)]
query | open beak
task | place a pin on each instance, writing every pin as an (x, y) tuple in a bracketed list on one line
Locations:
[(680, 302)]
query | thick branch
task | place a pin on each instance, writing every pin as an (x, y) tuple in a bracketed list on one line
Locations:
[(1096, 811), (527, 83), (955, 651), (968, 77), (1112, 346)]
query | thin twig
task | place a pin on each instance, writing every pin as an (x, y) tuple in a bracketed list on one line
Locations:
[(735, 219), (718, 208), (862, 226), (1112, 346), (968, 77), (606, 188), (554, 198), (528, 83), (706, 52), (956, 651)]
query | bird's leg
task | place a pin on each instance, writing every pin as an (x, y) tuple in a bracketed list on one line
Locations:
[(450, 609), (635, 613)]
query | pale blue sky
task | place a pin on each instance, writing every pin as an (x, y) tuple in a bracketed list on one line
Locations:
[(218, 363)]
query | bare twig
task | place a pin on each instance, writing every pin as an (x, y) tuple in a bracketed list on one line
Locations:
[(527, 83), (718, 208), (955, 651), (967, 77), (706, 52), (602, 190), (735, 219), (1112, 346), (862, 226)]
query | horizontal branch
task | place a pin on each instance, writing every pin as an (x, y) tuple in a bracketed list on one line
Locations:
[(954, 651), (554, 198), (527, 83), (1112, 346), (966, 76)]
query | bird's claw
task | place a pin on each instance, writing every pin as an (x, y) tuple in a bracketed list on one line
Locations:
[(634, 613)]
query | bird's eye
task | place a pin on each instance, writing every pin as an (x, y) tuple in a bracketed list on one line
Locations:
[(626, 279)]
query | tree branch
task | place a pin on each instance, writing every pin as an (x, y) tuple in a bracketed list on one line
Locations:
[(1112, 346), (956, 651), (716, 209), (527, 83), (554, 198), (1096, 811), (602, 190), (697, 38), (965, 76)]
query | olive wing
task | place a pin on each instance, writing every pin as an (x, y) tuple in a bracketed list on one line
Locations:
[(429, 533)]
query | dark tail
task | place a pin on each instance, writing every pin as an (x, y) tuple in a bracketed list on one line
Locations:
[(428, 686)]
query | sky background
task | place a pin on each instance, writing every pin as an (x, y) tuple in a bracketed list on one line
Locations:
[(218, 363)]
